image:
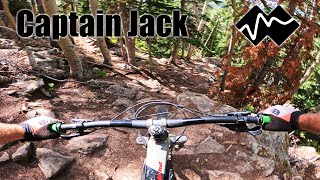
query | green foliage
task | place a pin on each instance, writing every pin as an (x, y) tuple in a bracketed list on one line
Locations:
[(162, 47), (83, 7), (309, 139), (50, 86), (141, 45), (99, 72), (218, 32), (249, 107), (308, 96), (17, 5)]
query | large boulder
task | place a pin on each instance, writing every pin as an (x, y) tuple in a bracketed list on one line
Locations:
[(265, 154), (202, 103)]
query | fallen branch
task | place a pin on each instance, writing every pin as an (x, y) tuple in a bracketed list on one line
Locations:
[(113, 69), (62, 80)]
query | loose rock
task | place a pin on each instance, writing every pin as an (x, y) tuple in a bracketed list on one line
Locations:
[(120, 91), (265, 164), (34, 85), (23, 153), (86, 144), (244, 168), (297, 178), (52, 163), (123, 102), (30, 85), (4, 158), (302, 152), (40, 112), (154, 85)]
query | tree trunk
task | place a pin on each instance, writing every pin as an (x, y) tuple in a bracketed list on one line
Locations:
[(183, 49), (34, 8), (316, 63), (123, 50), (65, 7), (131, 51), (291, 7), (41, 11), (66, 45), (101, 41), (191, 47), (40, 6), (262, 74), (149, 54), (129, 42), (265, 4), (73, 6), (174, 53), (309, 71), (148, 40), (12, 21), (66, 4), (231, 46), (213, 29)]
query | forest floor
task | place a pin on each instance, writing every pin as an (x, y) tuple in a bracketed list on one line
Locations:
[(120, 157)]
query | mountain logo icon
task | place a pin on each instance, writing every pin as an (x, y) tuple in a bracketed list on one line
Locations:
[(278, 25)]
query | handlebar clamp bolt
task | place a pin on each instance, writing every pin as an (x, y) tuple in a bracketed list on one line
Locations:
[(158, 132)]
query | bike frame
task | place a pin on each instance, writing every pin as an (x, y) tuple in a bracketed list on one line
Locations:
[(156, 160)]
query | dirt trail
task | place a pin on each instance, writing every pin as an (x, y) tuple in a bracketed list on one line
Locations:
[(121, 157)]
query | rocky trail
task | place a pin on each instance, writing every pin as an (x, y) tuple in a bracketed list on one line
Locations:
[(212, 152)]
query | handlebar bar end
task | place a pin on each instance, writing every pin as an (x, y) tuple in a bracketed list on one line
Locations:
[(265, 119), (55, 127)]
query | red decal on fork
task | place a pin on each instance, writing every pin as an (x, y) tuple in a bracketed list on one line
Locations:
[(160, 171)]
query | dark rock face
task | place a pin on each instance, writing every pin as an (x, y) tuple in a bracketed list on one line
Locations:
[(265, 153)]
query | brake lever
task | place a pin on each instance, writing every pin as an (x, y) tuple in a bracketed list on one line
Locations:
[(244, 128), (80, 131), (240, 113), (77, 134)]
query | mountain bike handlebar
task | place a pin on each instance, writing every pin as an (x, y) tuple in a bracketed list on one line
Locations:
[(82, 124)]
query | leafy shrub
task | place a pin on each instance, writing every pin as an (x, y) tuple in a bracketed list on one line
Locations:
[(308, 96), (99, 72), (16, 5)]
